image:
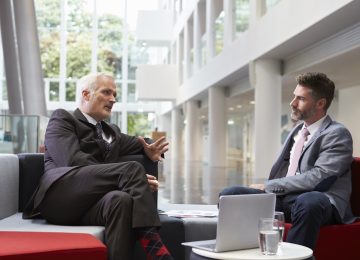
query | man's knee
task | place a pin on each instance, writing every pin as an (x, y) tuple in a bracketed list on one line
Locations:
[(309, 204), (135, 168), (118, 200)]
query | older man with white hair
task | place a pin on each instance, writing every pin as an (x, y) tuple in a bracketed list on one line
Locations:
[(84, 182)]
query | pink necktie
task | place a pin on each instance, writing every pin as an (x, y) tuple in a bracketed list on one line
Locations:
[(298, 147)]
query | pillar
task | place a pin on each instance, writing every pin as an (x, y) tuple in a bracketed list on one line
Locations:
[(266, 79), (11, 60), (217, 127), (176, 132), (192, 139), (29, 58)]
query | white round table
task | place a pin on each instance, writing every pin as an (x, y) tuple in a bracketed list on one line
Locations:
[(287, 251)]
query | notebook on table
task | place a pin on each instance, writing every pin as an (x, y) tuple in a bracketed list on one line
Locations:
[(237, 226)]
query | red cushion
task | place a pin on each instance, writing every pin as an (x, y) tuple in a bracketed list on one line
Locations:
[(47, 245), (336, 241)]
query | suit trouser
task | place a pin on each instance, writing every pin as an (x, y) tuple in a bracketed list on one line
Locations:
[(115, 195), (307, 212)]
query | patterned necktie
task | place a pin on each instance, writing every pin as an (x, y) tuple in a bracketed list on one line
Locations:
[(298, 147), (99, 132)]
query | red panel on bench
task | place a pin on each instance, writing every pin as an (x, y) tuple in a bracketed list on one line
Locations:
[(50, 245), (355, 179)]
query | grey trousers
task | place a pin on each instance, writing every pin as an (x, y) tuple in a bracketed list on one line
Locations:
[(115, 195)]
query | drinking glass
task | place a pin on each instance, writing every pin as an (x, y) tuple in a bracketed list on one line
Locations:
[(281, 224), (269, 236)]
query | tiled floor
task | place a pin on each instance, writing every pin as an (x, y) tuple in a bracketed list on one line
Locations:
[(197, 183)]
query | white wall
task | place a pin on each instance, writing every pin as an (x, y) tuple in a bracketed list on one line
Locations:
[(269, 32), (349, 114)]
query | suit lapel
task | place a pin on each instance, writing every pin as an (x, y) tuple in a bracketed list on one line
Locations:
[(80, 116), (284, 157), (324, 125)]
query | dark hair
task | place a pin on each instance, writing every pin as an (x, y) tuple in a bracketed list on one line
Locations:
[(320, 84)]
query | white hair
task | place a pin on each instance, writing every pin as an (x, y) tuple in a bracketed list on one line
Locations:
[(88, 82)]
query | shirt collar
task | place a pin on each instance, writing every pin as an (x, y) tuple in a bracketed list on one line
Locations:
[(315, 126), (89, 118)]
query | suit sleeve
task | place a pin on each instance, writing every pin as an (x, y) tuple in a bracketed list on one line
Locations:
[(128, 145), (62, 143), (329, 157)]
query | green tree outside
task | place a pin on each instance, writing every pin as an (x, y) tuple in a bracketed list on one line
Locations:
[(79, 48)]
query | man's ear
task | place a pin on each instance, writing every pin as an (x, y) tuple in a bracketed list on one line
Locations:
[(86, 95), (321, 103)]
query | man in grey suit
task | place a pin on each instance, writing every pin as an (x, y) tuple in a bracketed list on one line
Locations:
[(317, 191), (85, 184)]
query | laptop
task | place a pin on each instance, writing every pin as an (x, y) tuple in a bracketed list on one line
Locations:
[(237, 226)]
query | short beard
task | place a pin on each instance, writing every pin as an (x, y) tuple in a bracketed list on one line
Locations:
[(297, 115)]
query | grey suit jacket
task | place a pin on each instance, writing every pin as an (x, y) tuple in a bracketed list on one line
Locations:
[(324, 166)]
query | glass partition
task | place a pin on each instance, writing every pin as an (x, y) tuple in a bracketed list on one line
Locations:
[(22, 134)]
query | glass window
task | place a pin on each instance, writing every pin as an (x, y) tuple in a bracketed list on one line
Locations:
[(131, 92), (219, 32), (118, 91), (139, 124), (268, 4), (79, 38), (48, 20), (138, 54), (4, 91), (271, 3), (110, 44), (70, 91), (54, 91), (115, 118), (242, 15)]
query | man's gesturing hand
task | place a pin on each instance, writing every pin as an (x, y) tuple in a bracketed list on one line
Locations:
[(156, 149)]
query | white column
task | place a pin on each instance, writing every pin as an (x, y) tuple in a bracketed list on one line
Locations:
[(217, 127), (176, 129), (29, 56), (348, 112), (163, 122), (210, 30), (173, 53), (192, 137), (11, 58), (267, 82), (229, 23)]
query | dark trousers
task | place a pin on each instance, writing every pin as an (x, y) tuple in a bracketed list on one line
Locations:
[(115, 195), (306, 211)]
